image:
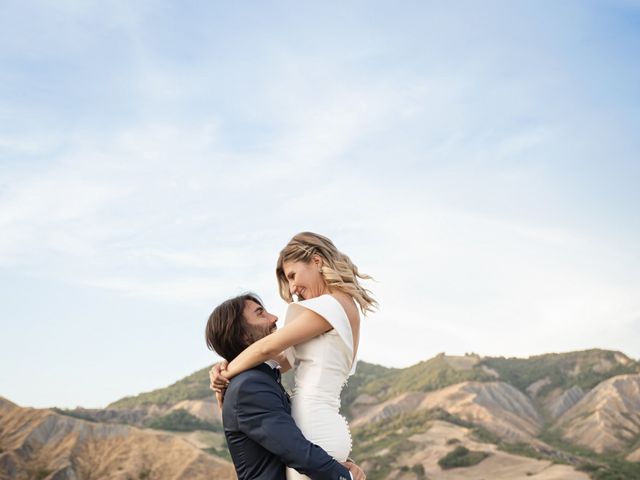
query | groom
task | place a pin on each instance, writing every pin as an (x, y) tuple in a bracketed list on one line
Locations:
[(261, 434)]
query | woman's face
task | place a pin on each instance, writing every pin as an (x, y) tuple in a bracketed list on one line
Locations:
[(305, 279)]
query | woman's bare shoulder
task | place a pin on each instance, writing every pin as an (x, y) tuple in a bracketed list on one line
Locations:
[(348, 304)]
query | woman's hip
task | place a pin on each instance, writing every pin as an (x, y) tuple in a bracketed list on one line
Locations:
[(331, 432)]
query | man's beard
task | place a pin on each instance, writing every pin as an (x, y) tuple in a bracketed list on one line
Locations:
[(255, 333)]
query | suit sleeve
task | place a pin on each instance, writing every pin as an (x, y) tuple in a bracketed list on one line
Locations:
[(262, 417)]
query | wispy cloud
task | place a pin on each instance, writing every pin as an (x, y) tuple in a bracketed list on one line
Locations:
[(482, 171)]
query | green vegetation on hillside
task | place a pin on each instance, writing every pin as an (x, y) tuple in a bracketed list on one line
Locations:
[(600, 466), (75, 413), (42, 473), (417, 470), (380, 444), (193, 387), (606, 466), (636, 445), (461, 457), (564, 370), (425, 376), (182, 421), (614, 468), (222, 452), (365, 373)]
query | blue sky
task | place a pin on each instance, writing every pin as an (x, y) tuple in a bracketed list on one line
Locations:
[(479, 160)]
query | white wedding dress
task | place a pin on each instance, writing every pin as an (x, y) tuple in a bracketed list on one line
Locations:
[(322, 366)]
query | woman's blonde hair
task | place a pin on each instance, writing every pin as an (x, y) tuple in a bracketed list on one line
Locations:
[(338, 270)]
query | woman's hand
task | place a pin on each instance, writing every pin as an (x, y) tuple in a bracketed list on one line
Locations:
[(356, 472), (218, 382)]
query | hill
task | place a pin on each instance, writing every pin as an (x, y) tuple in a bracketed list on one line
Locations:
[(41, 444), (584, 369), (438, 372), (192, 387), (607, 418)]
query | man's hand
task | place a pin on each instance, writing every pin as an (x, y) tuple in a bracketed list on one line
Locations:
[(356, 472), (218, 382)]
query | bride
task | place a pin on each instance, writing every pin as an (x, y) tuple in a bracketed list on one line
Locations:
[(319, 339)]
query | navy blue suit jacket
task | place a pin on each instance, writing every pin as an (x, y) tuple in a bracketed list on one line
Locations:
[(262, 436)]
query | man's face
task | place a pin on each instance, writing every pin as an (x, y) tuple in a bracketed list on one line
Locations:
[(258, 321)]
